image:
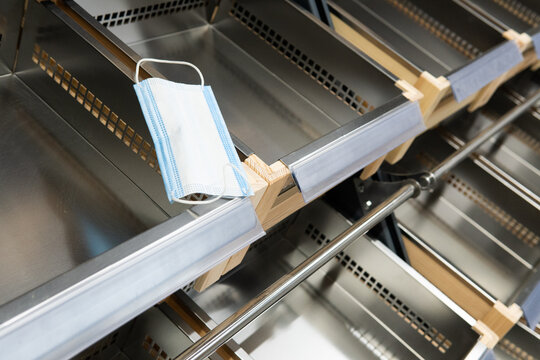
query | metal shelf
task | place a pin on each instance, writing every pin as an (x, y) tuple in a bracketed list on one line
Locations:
[(281, 95), (90, 239), (441, 38)]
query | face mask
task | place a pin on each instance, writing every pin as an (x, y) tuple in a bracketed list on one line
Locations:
[(193, 146)]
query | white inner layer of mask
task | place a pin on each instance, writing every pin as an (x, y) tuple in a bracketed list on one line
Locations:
[(195, 142)]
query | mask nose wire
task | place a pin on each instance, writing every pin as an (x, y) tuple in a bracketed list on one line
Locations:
[(175, 62)]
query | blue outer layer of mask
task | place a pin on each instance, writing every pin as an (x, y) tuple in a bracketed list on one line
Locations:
[(193, 146)]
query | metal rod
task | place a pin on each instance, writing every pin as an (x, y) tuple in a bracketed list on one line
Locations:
[(479, 139), (237, 321)]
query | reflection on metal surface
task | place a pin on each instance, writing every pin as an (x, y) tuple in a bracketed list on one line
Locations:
[(372, 344), (436, 28), (56, 214), (514, 350), (503, 218), (520, 343), (96, 107), (524, 137), (112, 288), (477, 223), (267, 115), (282, 286), (383, 324), (108, 118), (300, 59), (404, 311), (11, 12), (104, 348)]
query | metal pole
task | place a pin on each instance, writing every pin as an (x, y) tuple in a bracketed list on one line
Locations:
[(478, 140), (237, 321)]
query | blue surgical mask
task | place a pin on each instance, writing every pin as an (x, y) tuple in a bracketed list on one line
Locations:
[(194, 149)]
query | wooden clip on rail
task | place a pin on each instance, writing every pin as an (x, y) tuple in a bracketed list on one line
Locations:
[(493, 320), (272, 204)]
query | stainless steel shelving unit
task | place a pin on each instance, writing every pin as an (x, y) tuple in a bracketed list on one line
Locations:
[(97, 264)]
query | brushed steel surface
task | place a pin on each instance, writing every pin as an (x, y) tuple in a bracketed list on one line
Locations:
[(498, 278), (77, 99), (413, 41), (157, 23), (443, 38), (105, 292), (155, 330), (267, 115), (55, 213), (512, 150), (326, 162), (465, 224), (303, 324), (269, 104), (395, 278), (485, 135), (333, 302), (282, 286)]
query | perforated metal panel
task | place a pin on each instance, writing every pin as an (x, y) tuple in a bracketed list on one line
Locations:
[(502, 217), (404, 311), (392, 296), (92, 103), (130, 15), (298, 57), (520, 10), (436, 28)]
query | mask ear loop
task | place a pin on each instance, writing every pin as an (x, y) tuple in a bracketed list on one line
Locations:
[(176, 62), (217, 197), (235, 169)]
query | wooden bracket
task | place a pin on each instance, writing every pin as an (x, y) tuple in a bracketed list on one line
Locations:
[(276, 175), (446, 108), (267, 182), (210, 277), (500, 319), (487, 336), (411, 93), (259, 186), (497, 322), (286, 203), (433, 90), (523, 40), (376, 51), (225, 352), (372, 168), (494, 320)]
